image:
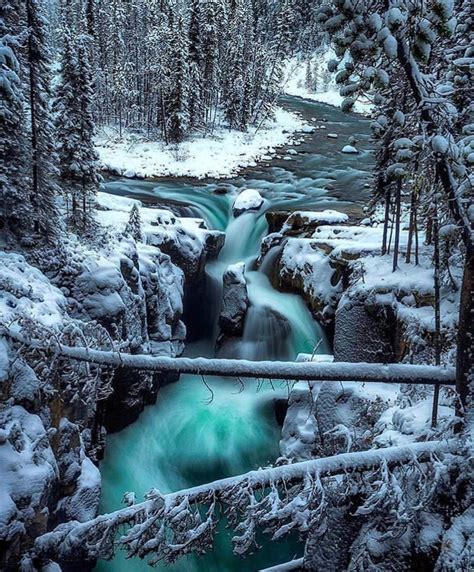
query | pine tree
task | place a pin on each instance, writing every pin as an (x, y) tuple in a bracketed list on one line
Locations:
[(210, 34), (178, 118), (44, 189), (134, 225), (13, 144), (309, 80), (196, 104), (317, 78), (75, 129)]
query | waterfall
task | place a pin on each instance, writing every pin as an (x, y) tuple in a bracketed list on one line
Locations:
[(201, 430)]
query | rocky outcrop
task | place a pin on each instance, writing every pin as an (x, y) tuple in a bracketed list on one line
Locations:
[(235, 301), (54, 418), (364, 330), (302, 223)]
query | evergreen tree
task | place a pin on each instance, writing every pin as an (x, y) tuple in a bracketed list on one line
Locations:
[(196, 104), (178, 117), (75, 128), (309, 80), (210, 27), (13, 151), (134, 225), (44, 189)]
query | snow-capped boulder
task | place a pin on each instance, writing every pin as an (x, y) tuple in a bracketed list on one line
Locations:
[(306, 221), (349, 150), (333, 135), (247, 200), (235, 301)]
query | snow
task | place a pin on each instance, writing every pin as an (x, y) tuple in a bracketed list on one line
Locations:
[(184, 237), (82, 504), (309, 265), (26, 291), (220, 155), (403, 425), (247, 200), (27, 468), (327, 216)]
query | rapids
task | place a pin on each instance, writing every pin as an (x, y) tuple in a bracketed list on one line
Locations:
[(197, 433)]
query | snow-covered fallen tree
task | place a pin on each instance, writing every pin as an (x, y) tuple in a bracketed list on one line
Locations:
[(276, 500), (311, 371)]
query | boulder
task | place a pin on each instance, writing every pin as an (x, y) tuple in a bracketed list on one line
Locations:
[(235, 301), (248, 200), (349, 150)]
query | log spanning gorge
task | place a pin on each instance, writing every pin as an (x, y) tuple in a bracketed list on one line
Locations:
[(205, 429)]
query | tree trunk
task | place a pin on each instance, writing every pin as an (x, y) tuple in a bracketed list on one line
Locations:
[(437, 340), (464, 365), (396, 246)]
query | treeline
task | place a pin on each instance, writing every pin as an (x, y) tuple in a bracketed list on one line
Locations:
[(174, 67), (48, 163), (165, 67)]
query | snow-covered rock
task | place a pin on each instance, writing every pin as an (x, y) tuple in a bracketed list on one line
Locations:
[(349, 149), (305, 221), (235, 300), (247, 200), (332, 135)]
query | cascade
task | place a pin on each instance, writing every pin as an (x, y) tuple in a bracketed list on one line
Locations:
[(198, 432)]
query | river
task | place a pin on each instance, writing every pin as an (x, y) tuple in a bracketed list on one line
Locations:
[(193, 434)]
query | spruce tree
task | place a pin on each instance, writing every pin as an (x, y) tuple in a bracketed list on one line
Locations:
[(14, 212), (178, 117), (134, 225), (44, 189), (196, 104), (75, 129)]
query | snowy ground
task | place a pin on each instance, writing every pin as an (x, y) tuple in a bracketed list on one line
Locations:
[(220, 155), (325, 92)]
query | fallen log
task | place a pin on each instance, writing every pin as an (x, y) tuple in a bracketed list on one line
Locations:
[(296, 371), (72, 540)]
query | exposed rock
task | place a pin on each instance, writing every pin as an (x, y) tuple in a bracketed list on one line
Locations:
[(248, 200), (364, 331), (131, 294), (306, 222), (275, 220), (235, 301)]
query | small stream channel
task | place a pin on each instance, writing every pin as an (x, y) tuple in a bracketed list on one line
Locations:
[(187, 438)]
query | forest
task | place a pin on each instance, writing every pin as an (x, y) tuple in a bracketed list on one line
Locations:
[(236, 283)]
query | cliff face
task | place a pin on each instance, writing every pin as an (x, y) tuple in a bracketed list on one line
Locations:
[(373, 314), (55, 414)]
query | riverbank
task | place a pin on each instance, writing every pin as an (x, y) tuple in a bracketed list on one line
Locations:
[(312, 172)]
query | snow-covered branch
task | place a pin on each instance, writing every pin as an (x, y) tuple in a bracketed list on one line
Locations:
[(152, 520)]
